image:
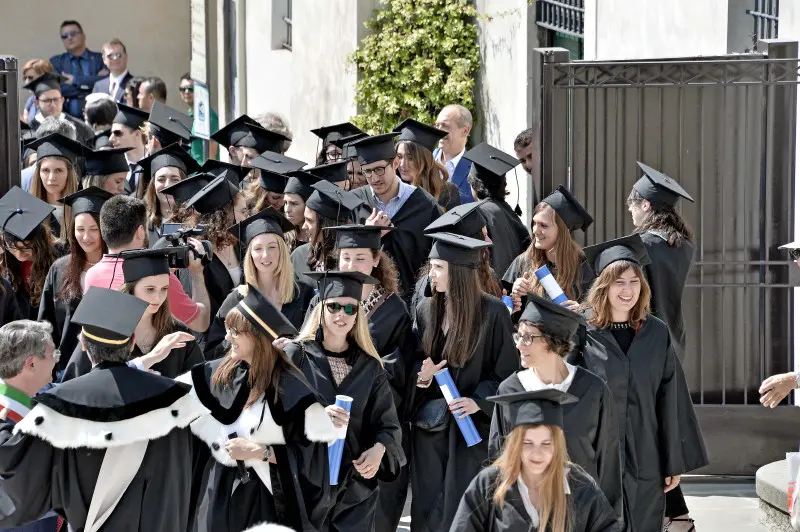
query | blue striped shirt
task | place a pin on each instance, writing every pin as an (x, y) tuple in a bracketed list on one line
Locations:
[(396, 203)]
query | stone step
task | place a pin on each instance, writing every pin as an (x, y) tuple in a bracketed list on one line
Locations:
[(772, 488)]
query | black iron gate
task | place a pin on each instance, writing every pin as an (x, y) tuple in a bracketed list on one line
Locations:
[(725, 128), (9, 125)]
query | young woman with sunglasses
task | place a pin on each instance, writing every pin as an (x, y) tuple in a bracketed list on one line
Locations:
[(659, 434), (469, 333), (336, 354)]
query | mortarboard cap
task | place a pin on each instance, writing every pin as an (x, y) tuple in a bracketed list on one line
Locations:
[(102, 139), (87, 200), (341, 284), (330, 134), (233, 172), (130, 116), (57, 145), (182, 191), (569, 209), (215, 195), (358, 236), (346, 145), (629, 248), (375, 148), (141, 263), (542, 407), (332, 202), (108, 316), (422, 134), (267, 220), (791, 245), (335, 172), (46, 82), (277, 163), (658, 188), (260, 312), (169, 125), (489, 163), (272, 182), (244, 132), (300, 183), (106, 162), (22, 213), (173, 155), (550, 317), (457, 249), (465, 220)]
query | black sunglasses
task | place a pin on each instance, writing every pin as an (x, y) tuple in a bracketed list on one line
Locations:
[(186, 89), (350, 309), (67, 34)]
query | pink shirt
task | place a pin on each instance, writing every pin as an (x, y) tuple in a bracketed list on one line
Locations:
[(108, 274)]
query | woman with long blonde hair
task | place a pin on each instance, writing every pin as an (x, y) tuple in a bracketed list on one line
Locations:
[(55, 177), (637, 359), (533, 485), (335, 352)]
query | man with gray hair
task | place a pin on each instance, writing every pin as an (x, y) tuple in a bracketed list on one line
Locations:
[(457, 121), (277, 124), (49, 125)]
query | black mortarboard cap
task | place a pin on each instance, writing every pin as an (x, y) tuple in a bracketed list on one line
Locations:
[(260, 312), (87, 200), (168, 124), (358, 236), (466, 220), (173, 155), (332, 202), (550, 317), (630, 248), (182, 191), (335, 172), (330, 134), (46, 82), (233, 172), (108, 316), (106, 162), (130, 116), (244, 132), (414, 131), (266, 220), (659, 188), (57, 145), (272, 182), (102, 139), (346, 145), (542, 407), (375, 148), (21, 213), (569, 209), (791, 245), (489, 163), (277, 163), (301, 183), (215, 195), (457, 249), (141, 263), (341, 284)]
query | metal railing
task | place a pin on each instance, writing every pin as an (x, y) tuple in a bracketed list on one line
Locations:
[(287, 19), (565, 16), (765, 19)]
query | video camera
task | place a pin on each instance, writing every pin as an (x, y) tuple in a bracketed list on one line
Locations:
[(175, 237)]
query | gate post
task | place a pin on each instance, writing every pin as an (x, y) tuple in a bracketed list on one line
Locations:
[(9, 124)]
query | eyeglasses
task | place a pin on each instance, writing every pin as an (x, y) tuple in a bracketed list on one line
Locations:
[(526, 339), (117, 133), (68, 34), (23, 248), (114, 56), (234, 332), (186, 89), (379, 171), (350, 309), (333, 155), (48, 101)]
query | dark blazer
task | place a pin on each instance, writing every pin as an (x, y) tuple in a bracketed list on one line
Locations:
[(81, 86), (459, 177), (105, 84)]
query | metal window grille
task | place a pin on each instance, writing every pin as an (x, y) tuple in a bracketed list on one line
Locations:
[(565, 16), (765, 18), (287, 19)]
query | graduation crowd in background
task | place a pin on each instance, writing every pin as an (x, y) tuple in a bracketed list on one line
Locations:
[(213, 327)]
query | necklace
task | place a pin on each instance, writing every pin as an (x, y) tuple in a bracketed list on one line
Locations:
[(372, 298), (618, 326)]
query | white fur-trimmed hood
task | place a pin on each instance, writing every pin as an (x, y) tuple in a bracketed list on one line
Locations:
[(267, 527)]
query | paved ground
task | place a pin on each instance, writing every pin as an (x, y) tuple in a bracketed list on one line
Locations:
[(716, 506)]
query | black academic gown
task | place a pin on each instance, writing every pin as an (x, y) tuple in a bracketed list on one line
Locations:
[(659, 434), (666, 275), (509, 235), (23, 299), (590, 427), (442, 464), (295, 491), (406, 244), (216, 345), (59, 311), (477, 512), (53, 460), (218, 282), (299, 260), (9, 308), (373, 419)]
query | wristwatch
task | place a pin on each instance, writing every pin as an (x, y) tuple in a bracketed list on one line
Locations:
[(267, 454)]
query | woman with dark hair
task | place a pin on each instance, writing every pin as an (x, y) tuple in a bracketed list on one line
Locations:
[(487, 178), (469, 332), (534, 484), (330, 150), (132, 91), (295, 195), (63, 287), (659, 434)]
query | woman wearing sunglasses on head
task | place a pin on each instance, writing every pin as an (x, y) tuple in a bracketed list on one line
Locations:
[(468, 332), (336, 354), (533, 484)]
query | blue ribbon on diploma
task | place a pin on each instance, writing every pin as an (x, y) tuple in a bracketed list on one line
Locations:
[(448, 387), (336, 449), (508, 302), (550, 285)]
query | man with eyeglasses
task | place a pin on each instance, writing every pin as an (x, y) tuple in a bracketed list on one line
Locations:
[(115, 57), (81, 67), (47, 90), (187, 95)]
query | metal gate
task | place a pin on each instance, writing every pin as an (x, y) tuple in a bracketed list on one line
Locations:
[(725, 128), (9, 125)]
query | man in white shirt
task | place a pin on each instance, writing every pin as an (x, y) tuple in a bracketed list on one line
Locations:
[(457, 121), (115, 57)]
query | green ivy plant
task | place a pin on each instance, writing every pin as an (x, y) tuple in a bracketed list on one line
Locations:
[(420, 56)]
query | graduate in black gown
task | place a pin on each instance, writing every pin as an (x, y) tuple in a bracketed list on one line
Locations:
[(469, 333), (63, 287), (534, 484), (487, 178), (544, 338), (116, 421), (390, 201), (266, 267), (336, 354), (262, 411), (329, 136), (269, 178), (295, 195), (659, 434)]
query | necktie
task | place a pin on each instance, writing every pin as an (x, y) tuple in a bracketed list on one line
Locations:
[(132, 176), (112, 90)]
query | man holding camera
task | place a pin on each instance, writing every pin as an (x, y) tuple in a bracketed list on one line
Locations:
[(123, 222)]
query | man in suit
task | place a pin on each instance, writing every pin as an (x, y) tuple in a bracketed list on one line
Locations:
[(81, 67), (457, 121), (50, 101), (115, 57)]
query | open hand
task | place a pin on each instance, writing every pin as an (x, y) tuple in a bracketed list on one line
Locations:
[(429, 368), (164, 347), (775, 388)]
